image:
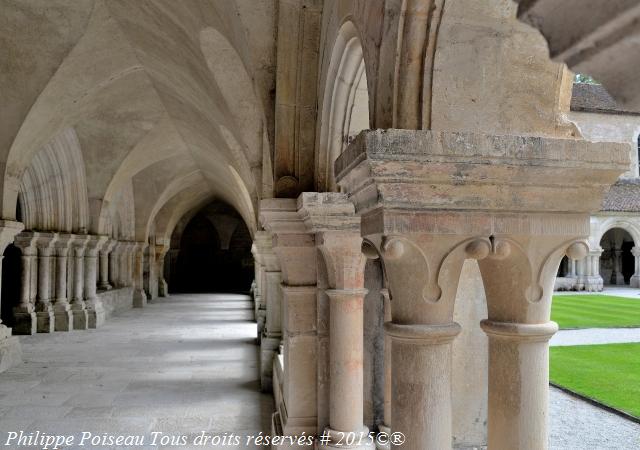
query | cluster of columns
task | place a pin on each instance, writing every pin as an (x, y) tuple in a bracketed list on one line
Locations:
[(61, 274), (424, 223)]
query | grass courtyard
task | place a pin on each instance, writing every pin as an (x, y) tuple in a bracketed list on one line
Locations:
[(608, 373), (595, 311)]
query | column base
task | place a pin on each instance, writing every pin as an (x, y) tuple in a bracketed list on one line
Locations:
[(163, 289), (139, 298), (63, 318), (80, 319), (594, 284), (105, 287), (45, 322), (95, 318), (25, 323), (635, 281), (352, 440), (268, 349), (10, 350)]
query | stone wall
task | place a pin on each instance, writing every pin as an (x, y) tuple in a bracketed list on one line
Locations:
[(117, 300)]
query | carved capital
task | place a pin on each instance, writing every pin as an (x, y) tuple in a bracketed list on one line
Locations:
[(342, 254)]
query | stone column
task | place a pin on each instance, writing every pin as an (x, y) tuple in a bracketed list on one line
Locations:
[(272, 297), (115, 261), (161, 251), (261, 244), (44, 310), (343, 257), (617, 277), (10, 350), (24, 313), (61, 306), (519, 330), (78, 306), (295, 248), (594, 282), (635, 279), (139, 295), (95, 309), (572, 269), (104, 253), (386, 426), (429, 204)]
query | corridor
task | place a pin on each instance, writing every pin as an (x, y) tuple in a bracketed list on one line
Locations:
[(183, 365)]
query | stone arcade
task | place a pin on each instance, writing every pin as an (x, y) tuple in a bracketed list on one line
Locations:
[(409, 175)]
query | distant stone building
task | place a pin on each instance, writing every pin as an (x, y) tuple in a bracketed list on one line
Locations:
[(614, 257)]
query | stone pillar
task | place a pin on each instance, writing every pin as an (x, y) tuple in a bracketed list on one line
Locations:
[(386, 426), (272, 297), (104, 253), (95, 310), (78, 306), (294, 246), (429, 203), (572, 269), (10, 350), (115, 261), (594, 282), (139, 294), (24, 313), (343, 257), (617, 277), (61, 307), (44, 310), (161, 251), (635, 279), (261, 244)]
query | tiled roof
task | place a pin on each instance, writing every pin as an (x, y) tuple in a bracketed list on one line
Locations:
[(623, 196), (594, 98)]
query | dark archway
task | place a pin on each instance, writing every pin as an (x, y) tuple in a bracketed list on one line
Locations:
[(212, 253), (617, 263), (11, 267)]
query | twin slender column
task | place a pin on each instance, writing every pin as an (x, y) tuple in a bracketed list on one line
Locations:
[(342, 252), (635, 279), (161, 252), (44, 308), (95, 309), (78, 306), (61, 306), (24, 313), (139, 294), (105, 251)]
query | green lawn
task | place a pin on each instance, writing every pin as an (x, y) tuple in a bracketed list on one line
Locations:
[(595, 311), (608, 373)]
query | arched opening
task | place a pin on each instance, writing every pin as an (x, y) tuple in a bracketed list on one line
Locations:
[(617, 263), (212, 253), (345, 106), (11, 267)]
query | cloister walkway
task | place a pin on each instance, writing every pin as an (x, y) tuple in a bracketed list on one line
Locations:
[(182, 365), (187, 364)]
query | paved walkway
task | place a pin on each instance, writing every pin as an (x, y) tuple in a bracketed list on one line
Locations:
[(593, 336), (618, 291), (578, 425), (180, 366)]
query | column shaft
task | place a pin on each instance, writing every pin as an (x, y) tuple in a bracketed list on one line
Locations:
[(518, 384)]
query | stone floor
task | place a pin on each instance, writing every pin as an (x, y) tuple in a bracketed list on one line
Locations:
[(180, 366), (185, 365)]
